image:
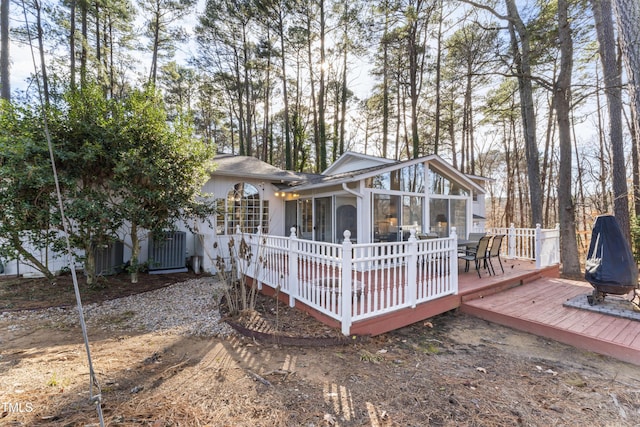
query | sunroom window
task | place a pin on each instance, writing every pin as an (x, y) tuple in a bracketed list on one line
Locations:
[(440, 184), (409, 179)]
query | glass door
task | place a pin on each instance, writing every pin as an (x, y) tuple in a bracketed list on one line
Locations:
[(323, 224), (386, 218), (305, 222), (291, 217)]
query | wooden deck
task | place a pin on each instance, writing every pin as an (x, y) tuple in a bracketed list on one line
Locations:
[(521, 298), (536, 306)]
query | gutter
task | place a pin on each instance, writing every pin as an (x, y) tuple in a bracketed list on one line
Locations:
[(350, 191)]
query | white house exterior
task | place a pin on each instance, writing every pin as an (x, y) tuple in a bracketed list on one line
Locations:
[(376, 199)]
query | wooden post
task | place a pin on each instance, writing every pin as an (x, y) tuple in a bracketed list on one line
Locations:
[(453, 260), (347, 269), (293, 267)]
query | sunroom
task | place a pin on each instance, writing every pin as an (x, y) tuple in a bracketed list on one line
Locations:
[(383, 202)]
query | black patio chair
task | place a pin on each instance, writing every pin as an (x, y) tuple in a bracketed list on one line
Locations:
[(480, 255), (494, 251)]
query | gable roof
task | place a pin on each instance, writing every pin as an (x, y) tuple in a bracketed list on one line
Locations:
[(248, 166), (350, 161), (320, 181)]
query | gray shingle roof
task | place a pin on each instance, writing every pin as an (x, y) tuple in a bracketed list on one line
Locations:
[(245, 166)]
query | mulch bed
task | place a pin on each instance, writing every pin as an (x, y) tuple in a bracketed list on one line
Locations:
[(274, 322)]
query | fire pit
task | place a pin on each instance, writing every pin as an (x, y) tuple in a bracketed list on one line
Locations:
[(610, 267)]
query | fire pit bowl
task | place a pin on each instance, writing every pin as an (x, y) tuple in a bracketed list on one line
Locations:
[(610, 267)]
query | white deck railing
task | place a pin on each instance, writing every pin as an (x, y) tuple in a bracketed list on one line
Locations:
[(352, 282), (536, 244)]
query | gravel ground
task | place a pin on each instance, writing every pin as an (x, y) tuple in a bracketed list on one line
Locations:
[(186, 308)]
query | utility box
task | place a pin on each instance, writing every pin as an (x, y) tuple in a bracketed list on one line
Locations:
[(109, 258), (168, 252)]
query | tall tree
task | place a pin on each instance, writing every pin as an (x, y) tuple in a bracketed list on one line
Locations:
[(418, 14), (521, 50), (5, 80), (321, 149), (278, 11), (628, 16), (469, 50), (161, 17), (602, 14), (562, 95)]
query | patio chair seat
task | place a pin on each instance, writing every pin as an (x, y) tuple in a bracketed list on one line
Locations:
[(494, 252), (480, 255)]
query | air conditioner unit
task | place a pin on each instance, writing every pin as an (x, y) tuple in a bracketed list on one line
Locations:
[(168, 252), (108, 258)]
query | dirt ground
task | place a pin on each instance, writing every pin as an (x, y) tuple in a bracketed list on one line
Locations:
[(451, 370)]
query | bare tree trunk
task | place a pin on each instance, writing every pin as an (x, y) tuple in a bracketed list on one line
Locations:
[(5, 59), (321, 161), (247, 93), (72, 44), (385, 82), (43, 64), (521, 52), (343, 100), (314, 100), (153, 72), (562, 95), (285, 96), (83, 49), (135, 253), (582, 221), (635, 160), (436, 137), (601, 140), (628, 13), (545, 176)]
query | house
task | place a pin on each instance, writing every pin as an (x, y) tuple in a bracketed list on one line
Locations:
[(369, 245), (376, 199)]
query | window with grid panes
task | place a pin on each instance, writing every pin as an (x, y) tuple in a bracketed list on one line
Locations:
[(242, 207)]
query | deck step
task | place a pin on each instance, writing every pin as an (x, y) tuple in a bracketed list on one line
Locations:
[(494, 288), (510, 282)]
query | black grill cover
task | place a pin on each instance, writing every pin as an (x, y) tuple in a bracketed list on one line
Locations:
[(610, 266)]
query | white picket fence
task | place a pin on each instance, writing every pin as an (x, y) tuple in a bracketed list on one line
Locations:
[(352, 282), (536, 244)]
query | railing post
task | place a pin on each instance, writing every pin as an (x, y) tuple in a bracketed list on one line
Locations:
[(512, 241), (347, 268), (257, 260), (556, 245), (538, 248), (412, 273), (293, 267), (453, 261)]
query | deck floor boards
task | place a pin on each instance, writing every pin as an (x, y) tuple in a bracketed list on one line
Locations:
[(605, 334)]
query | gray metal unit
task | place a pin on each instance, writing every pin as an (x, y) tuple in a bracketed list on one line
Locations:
[(168, 253), (109, 258), (198, 244)]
